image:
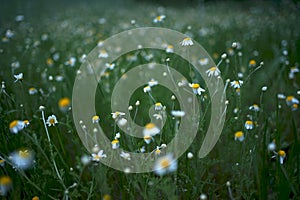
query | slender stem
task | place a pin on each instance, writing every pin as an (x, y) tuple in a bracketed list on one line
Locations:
[(51, 151)]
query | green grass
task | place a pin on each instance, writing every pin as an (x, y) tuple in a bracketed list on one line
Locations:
[(73, 29)]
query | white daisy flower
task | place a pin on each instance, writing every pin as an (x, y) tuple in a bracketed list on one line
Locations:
[(16, 126), (22, 159), (147, 89), (150, 130), (115, 144), (51, 121), (196, 88), (236, 84), (249, 125), (117, 114), (170, 49), (97, 156), (159, 18), (213, 71), (239, 136), (203, 61), (187, 42), (165, 164), (103, 54), (18, 77), (152, 83)]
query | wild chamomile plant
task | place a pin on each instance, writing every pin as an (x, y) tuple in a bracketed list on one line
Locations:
[(256, 54)]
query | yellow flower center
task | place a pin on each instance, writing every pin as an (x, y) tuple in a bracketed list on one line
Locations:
[(95, 118), (186, 39), (158, 104), (157, 151), (26, 121), (35, 198), (13, 124), (106, 197), (295, 105), (2, 161), (239, 134), (249, 122), (115, 142), (5, 180), (24, 154), (213, 69), (252, 62), (64, 102), (289, 98), (195, 85), (52, 121), (281, 153), (150, 126), (170, 47), (147, 137), (165, 163), (49, 61)]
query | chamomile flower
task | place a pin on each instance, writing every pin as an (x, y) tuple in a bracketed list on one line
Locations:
[(18, 77), (51, 121), (110, 66), (158, 106), (103, 54), (239, 135), (147, 89), (125, 155), (16, 126), (282, 155), (196, 88), (95, 119), (177, 113), (150, 129), (236, 84), (249, 125), (22, 159), (254, 108), (5, 185), (165, 164), (157, 151), (170, 49), (213, 71), (98, 156), (115, 144), (159, 18), (32, 91), (148, 139), (71, 62), (252, 63), (152, 82), (291, 100), (203, 61), (117, 114), (187, 42), (64, 104)]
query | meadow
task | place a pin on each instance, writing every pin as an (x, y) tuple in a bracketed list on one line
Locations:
[(256, 48)]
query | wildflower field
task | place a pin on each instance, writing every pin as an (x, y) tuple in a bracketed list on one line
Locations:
[(255, 50)]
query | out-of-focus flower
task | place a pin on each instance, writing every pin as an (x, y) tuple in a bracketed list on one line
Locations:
[(159, 18), (150, 130), (249, 125), (196, 88), (282, 155), (97, 156), (187, 42), (213, 71), (16, 126), (18, 77), (236, 84), (64, 104), (239, 135), (22, 159), (5, 185), (165, 164), (177, 113)]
